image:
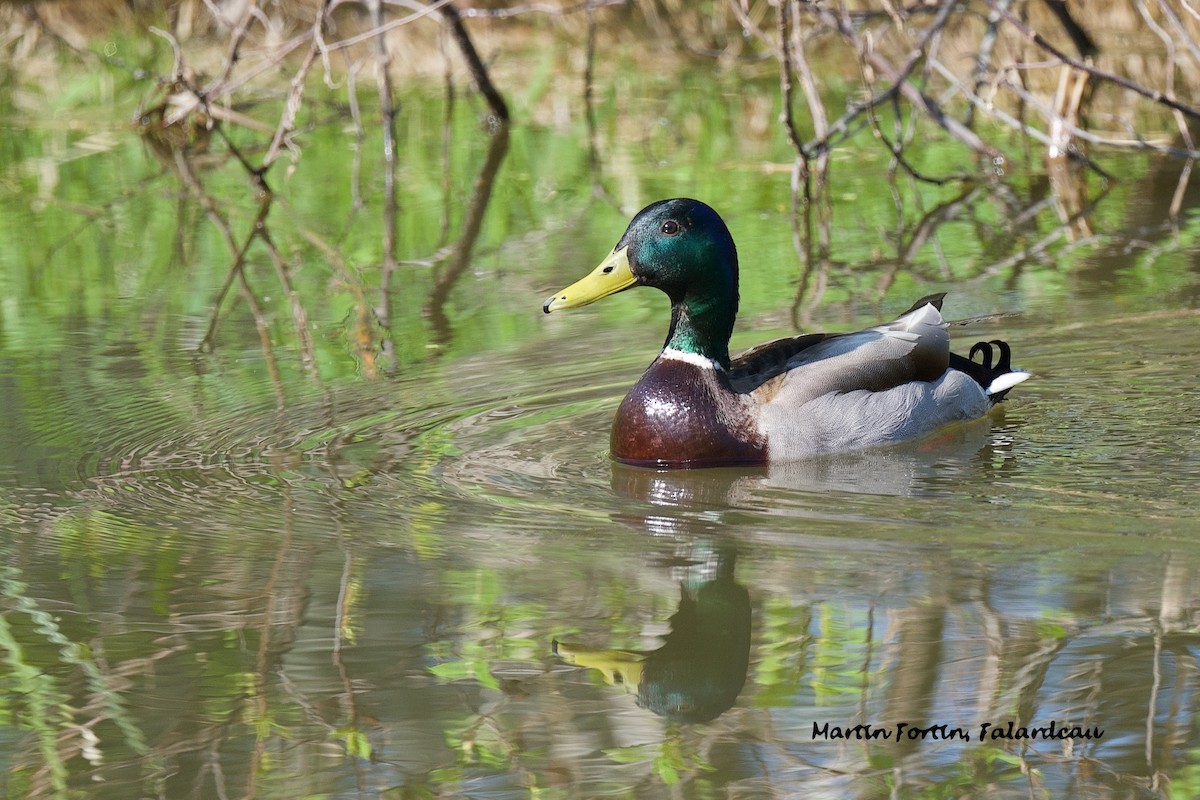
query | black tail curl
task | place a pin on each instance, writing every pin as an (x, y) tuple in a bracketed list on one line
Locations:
[(985, 370)]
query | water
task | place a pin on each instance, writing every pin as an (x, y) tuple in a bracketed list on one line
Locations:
[(253, 573), (360, 592)]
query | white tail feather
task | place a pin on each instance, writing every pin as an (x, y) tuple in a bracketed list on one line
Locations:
[(1006, 381)]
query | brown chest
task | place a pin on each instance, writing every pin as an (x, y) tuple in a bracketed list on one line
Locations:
[(683, 415)]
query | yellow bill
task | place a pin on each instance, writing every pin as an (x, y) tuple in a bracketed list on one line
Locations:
[(613, 275), (617, 666)]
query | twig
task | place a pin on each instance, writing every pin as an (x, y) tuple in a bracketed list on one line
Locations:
[(366, 36), (217, 91), (930, 108), (299, 316), (786, 115), (295, 93), (816, 108), (447, 139), (363, 337), (1185, 176), (895, 146), (360, 137), (539, 8), (748, 25), (177, 65), (801, 175), (1185, 132), (235, 45), (387, 111), (237, 273), (805, 201), (984, 57), (840, 129), (475, 64), (472, 224)]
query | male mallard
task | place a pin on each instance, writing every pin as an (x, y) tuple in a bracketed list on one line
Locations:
[(784, 400)]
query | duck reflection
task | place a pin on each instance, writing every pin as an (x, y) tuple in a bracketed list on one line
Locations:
[(904, 470), (700, 669)]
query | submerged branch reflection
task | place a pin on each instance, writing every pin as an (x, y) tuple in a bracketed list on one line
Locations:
[(461, 250)]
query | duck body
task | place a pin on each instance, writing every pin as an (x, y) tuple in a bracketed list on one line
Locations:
[(785, 400)]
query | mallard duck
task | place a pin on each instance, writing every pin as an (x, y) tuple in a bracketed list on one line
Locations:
[(785, 400)]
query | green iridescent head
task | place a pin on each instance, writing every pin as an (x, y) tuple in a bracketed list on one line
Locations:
[(682, 247)]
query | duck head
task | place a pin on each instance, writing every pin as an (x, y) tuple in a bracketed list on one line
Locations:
[(683, 248)]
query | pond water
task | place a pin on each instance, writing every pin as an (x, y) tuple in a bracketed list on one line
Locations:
[(320, 569)]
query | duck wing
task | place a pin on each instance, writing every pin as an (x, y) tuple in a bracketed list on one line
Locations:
[(913, 347), (759, 364)]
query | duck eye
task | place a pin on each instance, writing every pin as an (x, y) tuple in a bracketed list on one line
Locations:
[(670, 227)]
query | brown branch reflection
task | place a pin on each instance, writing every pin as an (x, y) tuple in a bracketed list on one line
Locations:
[(811, 211), (184, 167), (460, 252)]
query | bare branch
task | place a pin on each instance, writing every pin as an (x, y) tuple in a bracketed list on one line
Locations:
[(1095, 72)]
